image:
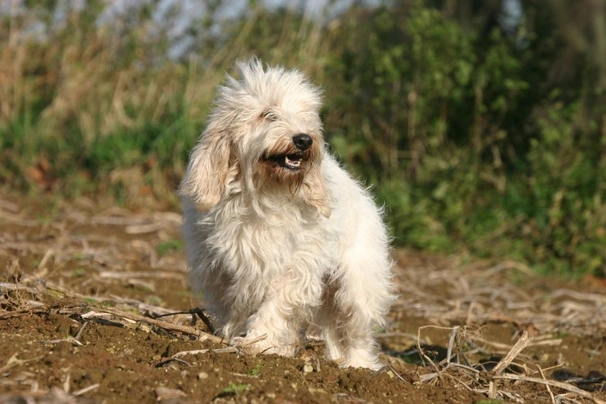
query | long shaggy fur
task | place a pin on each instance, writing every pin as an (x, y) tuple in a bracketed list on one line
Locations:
[(280, 239)]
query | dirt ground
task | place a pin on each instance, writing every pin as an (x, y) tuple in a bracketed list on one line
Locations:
[(94, 307)]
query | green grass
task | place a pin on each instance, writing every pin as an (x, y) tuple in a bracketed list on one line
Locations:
[(169, 246), (235, 389)]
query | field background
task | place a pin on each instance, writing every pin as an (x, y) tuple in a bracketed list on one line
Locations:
[(480, 125), (481, 131)]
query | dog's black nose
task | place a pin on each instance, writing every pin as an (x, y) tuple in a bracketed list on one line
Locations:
[(303, 141)]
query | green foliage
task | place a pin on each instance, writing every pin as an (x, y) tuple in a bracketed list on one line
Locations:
[(469, 142), (235, 389), (78, 273), (256, 371), (473, 137), (169, 246), (563, 203)]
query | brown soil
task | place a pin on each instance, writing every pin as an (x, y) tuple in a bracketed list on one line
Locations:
[(88, 296)]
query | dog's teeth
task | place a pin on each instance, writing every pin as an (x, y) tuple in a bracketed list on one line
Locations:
[(293, 163)]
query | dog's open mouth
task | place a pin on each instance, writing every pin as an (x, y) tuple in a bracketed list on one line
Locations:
[(288, 161)]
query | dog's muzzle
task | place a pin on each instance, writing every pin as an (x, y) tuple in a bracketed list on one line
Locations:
[(292, 161)]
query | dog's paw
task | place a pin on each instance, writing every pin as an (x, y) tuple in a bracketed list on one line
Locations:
[(360, 362), (360, 358), (254, 345)]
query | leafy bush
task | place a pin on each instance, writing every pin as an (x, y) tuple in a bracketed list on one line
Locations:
[(469, 140)]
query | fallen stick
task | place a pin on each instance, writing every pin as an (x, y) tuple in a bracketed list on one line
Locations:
[(229, 349), (141, 274), (553, 400), (203, 336), (177, 357), (85, 390), (15, 286)]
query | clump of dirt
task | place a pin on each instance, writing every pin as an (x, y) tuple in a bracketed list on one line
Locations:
[(94, 307)]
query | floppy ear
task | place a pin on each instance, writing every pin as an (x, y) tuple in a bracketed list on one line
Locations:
[(208, 169), (315, 191)]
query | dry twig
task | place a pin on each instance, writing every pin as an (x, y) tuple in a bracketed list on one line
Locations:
[(564, 386), (522, 343)]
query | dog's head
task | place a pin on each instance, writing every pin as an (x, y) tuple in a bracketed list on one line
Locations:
[(265, 132)]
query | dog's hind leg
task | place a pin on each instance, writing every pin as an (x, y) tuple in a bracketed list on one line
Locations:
[(348, 336)]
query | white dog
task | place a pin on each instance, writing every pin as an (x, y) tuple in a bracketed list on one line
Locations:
[(278, 236)]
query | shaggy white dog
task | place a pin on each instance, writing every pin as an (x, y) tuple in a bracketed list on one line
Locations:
[(279, 237)]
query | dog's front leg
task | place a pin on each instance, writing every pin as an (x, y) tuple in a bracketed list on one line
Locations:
[(359, 300), (273, 329)]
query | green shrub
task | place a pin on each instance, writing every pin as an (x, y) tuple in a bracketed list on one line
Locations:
[(468, 139)]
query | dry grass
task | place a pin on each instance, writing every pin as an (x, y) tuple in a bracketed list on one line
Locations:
[(476, 294), (88, 76), (447, 291)]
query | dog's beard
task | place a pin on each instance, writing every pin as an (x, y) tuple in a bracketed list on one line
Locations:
[(285, 164), (284, 169)]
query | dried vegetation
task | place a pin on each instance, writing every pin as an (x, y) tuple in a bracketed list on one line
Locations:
[(94, 306)]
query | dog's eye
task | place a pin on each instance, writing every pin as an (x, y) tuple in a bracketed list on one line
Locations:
[(268, 115)]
